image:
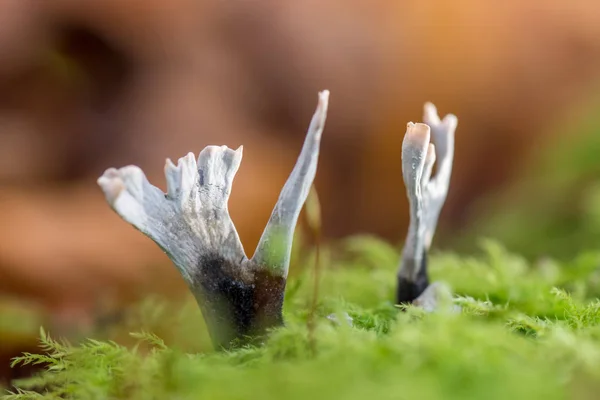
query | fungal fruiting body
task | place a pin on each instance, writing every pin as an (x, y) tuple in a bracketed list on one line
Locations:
[(240, 297), (426, 196)]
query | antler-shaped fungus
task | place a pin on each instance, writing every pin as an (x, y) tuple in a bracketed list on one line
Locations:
[(240, 298), (426, 197)]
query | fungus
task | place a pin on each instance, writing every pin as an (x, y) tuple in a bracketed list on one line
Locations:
[(426, 196), (240, 298)]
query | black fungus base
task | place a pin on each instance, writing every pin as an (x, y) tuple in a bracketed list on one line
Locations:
[(237, 311), (406, 290)]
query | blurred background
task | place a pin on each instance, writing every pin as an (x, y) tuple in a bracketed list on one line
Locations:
[(85, 86)]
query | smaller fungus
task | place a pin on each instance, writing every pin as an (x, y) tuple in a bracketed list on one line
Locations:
[(426, 195)]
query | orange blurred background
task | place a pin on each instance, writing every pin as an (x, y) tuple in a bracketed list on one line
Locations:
[(105, 83)]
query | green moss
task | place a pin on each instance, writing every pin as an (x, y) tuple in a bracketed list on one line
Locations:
[(525, 331)]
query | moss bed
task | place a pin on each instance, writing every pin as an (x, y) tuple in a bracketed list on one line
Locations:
[(525, 330)]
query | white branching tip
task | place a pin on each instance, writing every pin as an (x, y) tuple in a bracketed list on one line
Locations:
[(191, 223), (426, 194), (274, 247), (191, 220), (442, 132)]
